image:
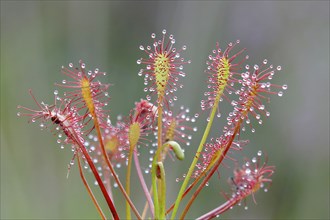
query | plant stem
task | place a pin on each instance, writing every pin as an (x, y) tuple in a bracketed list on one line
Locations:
[(189, 188), (143, 183), (89, 189), (98, 179), (193, 164), (219, 210), (157, 155), (107, 160), (128, 180), (159, 126), (162, 197), (218, 160), (154, 183)]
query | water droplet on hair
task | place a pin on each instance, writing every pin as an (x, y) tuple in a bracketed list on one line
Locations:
[(70, 65), (55, 92), (259, 153), (278, 68), (63, 81), (164, 31), (285, 87), (141, 47), (280, 93)]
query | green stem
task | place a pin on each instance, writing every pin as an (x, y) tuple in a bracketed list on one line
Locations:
[(128, 181), (161, 211), (154, 184), (159, 126), (216, 162), (162, 193), (157, 155), (195, 160)]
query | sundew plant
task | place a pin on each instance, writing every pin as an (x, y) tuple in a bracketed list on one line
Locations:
[(81, 120)]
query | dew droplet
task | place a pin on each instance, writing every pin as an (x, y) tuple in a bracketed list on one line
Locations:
[(280, 93), (285, 87), (259, 153), (18, 114), (141, 47)]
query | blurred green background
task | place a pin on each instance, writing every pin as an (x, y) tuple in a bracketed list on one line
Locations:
[(37, 38)]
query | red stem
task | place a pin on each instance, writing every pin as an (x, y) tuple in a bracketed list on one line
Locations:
[(210, 174), (89, 189), (99, 181), (219, 210)]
